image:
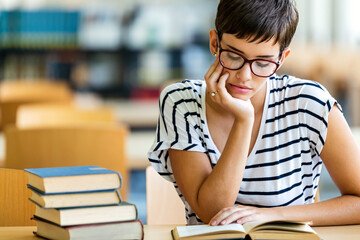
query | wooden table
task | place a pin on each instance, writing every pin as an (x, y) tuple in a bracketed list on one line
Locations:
[(351, 232)]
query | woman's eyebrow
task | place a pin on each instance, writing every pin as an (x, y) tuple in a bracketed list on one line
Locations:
[(237, 50)]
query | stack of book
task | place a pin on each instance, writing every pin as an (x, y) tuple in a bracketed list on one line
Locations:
[(81, 203)]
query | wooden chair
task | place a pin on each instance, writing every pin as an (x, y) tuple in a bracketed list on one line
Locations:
[(317, 195), (15, 208), (163, 204), (60, 114), (16, 93), (356, 133), (62, 146)]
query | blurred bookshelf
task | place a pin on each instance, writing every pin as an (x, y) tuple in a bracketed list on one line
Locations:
[(130, 49), (116, 49)]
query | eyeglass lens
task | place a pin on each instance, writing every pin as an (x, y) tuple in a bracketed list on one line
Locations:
[(234, 61)]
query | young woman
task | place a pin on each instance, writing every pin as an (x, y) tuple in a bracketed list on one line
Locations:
[(248, 145)]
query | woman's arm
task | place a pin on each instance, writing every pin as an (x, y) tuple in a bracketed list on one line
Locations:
[(341, 155), (209, 190)]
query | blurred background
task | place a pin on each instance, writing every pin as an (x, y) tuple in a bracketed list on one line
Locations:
[(119, 53)]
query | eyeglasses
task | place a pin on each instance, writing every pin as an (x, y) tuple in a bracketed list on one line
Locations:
[(259, 67)]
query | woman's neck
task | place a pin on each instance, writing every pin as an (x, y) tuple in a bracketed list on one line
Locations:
[(258, 100)]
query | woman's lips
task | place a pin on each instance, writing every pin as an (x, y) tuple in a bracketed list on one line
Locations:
[(240, 89)]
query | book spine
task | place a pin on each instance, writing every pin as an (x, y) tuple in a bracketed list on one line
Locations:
[(142, 228), (120, 178), (119, 195), (40, 192)]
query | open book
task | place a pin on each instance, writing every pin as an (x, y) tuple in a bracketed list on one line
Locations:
[(252, 230)]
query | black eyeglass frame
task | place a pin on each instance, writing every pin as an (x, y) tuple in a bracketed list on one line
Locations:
[(221, 50)]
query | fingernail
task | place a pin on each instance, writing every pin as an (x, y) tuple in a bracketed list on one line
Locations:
[(223, 222), (213, 223)]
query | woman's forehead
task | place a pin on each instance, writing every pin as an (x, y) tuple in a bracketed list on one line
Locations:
[(251, 48)]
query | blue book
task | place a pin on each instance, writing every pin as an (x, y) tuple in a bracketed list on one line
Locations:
[(73, 179), (4, 32)]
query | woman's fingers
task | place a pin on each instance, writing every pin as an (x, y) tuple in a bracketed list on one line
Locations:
[(249, 218), (220, 216), (221, 85), (212, 76), (238, 214), (211, 69)]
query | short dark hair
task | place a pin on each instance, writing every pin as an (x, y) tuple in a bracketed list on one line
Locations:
[(258, 20)]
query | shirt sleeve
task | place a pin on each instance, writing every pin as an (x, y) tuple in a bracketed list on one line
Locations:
[(179, 127), (319, 105)]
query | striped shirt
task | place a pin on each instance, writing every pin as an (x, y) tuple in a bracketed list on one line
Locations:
[(283, 167)]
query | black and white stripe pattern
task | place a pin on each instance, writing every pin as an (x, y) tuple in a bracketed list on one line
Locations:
[(284, 166)]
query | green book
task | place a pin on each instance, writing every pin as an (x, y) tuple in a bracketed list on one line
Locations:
[(65, 200), (123, 211)]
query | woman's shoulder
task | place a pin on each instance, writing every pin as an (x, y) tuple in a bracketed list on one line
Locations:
[(184, 84), (291, 87), (183, 90)]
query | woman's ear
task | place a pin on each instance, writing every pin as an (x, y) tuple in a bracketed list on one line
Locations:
[(213, 42), (285, 54)]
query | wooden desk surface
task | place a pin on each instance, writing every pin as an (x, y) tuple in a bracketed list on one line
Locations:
[(350, 232)]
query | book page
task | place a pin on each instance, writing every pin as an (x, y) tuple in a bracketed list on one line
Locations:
[(282, 235), (278, 225), (185, 231)]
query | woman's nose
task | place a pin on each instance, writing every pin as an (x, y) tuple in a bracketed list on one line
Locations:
[(244, 73)]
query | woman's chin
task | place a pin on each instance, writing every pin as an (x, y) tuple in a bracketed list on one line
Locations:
[(243, 97)]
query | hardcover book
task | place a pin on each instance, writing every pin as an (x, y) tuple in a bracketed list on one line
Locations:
[(251, 230), (81, 199), (88, 215), (115, 230), (73, 179)]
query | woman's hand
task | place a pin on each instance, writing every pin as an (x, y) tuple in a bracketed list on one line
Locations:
[(242, 214), (215, 81)]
